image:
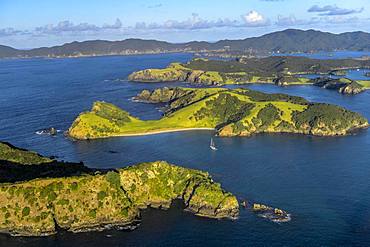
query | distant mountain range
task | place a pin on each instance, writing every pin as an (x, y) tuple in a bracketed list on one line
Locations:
[(287, 41)]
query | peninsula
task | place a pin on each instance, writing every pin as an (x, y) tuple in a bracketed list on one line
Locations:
[(237, 112), (98, 200), (282, 71)]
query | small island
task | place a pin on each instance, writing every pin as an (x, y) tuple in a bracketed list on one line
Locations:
[(230, 112), (282, 71), (98, 200), (342, 85)]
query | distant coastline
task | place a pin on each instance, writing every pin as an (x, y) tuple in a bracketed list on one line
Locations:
[(273, 43)]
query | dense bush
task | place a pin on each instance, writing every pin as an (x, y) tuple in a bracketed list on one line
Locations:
[(225, 109), (111, 112), (114, 179), (265, 97), (267, 116), (331, 116)]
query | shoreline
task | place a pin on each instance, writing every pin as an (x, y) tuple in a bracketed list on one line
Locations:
[(157, 132), (349, 132)]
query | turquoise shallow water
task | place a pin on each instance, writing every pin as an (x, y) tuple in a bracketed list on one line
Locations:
[(323, 182)]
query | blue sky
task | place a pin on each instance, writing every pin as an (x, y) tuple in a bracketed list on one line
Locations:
[(34, 23)]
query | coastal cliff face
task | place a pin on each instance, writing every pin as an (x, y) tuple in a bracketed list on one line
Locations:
[(112, 200), (237, 112)]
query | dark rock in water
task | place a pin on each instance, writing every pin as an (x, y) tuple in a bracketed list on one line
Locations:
[(274, 214), (50, 131), (244, 204), (367, 74)]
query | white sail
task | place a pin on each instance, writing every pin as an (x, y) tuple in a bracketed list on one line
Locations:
[(212, 145)]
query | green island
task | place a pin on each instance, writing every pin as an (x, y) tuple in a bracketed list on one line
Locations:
[(282, 71), (98, 200), (230, 112)]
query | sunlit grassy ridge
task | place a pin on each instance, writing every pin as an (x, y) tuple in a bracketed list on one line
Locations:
[(364, 83), (96, 202), (20, 156), (231, 112)]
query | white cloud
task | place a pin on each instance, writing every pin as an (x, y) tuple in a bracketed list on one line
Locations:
[(195, 22), (253, 18), (288, 21), (11, 32), (70, 27), (333, 10), (116, 25)]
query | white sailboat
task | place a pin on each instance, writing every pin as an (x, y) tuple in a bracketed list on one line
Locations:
[(212, 145)]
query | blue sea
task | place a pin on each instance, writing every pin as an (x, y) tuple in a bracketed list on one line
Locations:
[(323, 182), (328, 55)]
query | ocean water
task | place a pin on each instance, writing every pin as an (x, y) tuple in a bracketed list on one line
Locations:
[(351, 74), (328, 55), (323, 182)]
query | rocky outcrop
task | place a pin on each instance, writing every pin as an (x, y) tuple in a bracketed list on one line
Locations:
[(112, 200), (342, 85), (49, 131), (161, 95), (352, 88), (274, 214)]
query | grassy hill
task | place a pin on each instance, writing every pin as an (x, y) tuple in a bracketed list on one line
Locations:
[(238, 112), (21, 156)]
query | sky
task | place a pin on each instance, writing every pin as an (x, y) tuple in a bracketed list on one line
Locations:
[(34, 23)]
